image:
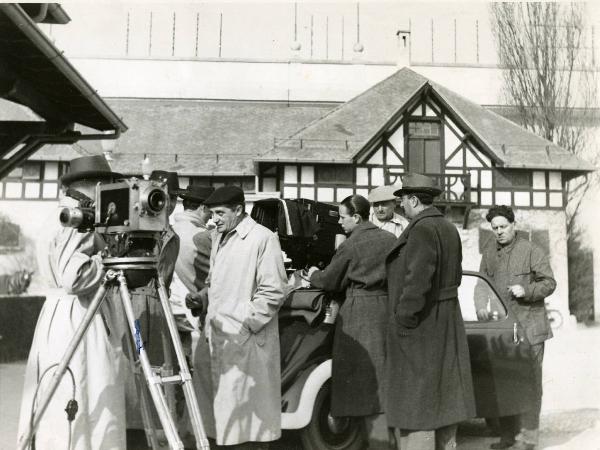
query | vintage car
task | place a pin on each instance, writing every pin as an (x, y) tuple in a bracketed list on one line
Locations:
[(498, 348)]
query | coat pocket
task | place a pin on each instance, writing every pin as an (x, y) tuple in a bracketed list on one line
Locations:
[(261, 337)]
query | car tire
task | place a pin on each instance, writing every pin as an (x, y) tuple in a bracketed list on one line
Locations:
[(327, 433)]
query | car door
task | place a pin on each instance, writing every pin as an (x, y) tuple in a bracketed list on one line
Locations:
[(501, 361)]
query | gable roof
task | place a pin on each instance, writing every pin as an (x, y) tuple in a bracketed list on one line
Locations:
[(351, 129), (344, 131)]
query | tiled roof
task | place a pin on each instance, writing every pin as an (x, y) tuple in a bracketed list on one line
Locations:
[(344, 132), (203, 137), (513, 145), (347, 128)]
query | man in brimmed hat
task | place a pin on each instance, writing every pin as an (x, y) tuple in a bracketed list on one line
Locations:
[(429, 385), (193, 261), (237, 372), (72, 265), (383, 202)]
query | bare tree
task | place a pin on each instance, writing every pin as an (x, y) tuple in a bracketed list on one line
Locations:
[(550, 77)]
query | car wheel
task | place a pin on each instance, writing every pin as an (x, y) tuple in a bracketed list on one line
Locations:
[(325, 432)]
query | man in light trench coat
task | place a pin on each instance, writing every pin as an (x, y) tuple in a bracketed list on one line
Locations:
[(237, 374)]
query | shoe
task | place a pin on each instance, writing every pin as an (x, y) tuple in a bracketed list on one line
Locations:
[(520, 445), (502, 444)]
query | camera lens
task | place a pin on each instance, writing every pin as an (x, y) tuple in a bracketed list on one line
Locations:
[(71, 217), (156, 200)]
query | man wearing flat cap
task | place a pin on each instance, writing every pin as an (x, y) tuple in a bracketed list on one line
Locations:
[(384, 215), (239, 372), (521, 273), (429, 383)]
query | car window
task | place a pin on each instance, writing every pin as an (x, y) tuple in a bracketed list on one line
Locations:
[(478, 301)]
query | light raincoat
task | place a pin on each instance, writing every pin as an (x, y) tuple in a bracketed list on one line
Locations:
[(237, 370), (72, 265)]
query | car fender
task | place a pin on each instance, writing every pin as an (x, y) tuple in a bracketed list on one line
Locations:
[(302, 415)]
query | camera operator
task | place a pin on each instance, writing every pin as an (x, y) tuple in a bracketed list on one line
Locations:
[(94, 380), (237, 369)]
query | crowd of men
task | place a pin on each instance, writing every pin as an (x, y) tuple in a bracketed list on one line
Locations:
[(226, 277)]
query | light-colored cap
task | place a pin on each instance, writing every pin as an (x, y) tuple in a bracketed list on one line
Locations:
[(383, 193)]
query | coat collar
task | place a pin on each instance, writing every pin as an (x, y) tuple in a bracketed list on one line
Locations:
[(244, 227), (366, 225), (432, 211), (189, 216)]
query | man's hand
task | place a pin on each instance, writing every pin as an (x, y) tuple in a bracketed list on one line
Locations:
[(517, 290), (197, 302), (19, 282), (483, 315)]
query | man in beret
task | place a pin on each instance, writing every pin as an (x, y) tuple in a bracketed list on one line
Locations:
[(429, 385), (384, 215), (521, 273), (237, 369)]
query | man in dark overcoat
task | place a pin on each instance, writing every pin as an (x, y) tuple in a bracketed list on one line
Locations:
[(428, 372)]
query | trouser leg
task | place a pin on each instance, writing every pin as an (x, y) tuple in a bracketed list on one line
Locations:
[(411, 440), (530, 420), (445, 437), (509, 427)]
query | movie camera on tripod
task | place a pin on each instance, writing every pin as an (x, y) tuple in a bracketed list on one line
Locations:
[(131, 215)]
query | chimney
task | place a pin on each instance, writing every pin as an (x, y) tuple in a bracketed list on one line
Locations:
[(403, 44)]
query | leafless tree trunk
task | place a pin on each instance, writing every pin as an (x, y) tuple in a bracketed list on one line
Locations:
[(550, 77)]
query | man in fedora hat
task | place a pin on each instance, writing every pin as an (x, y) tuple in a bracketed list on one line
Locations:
[(383, 202), (237, 371), (193, 261), (429, 380), (72, 265)]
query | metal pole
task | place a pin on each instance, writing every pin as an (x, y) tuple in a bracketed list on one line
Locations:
[(154, 381), (64, 363), (186, 376)]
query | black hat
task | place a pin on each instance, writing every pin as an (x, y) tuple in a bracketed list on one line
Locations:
[(418, 183), (88, 167), (196, 193), (226, 195), (170, 178)]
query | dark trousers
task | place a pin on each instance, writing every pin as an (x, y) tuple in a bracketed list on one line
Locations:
[(525, 426), (443, 438)]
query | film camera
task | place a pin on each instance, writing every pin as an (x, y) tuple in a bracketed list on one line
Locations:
[(130, 205), (130, 215)]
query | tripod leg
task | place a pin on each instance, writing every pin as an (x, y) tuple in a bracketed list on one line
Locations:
[(188, 389), (151, 437), (167, 369), (154, 381), (64, 363)]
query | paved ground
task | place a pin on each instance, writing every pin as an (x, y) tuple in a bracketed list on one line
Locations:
[(571, 407)]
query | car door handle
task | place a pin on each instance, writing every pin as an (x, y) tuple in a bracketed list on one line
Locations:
[(516, 339)]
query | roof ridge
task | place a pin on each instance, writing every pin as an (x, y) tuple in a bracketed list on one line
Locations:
[(363, 93)]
